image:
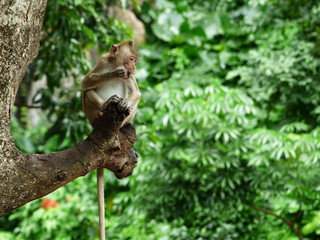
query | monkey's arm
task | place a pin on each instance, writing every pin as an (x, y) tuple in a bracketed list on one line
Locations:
[(134, 95), (94, 79), (133, 98)]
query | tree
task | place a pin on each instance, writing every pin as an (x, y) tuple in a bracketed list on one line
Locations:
[(25, 177)]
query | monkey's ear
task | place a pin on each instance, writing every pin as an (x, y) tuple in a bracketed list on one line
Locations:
[(114, 51), (130, 43)]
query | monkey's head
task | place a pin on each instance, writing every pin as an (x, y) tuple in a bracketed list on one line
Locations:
[(125, 54)]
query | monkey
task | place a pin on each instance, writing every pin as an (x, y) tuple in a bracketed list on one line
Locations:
[(112, 75)]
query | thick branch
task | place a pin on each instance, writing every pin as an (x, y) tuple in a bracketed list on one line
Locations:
[(35, 175)]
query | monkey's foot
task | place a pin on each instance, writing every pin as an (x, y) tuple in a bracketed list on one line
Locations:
[(113, 100), (118, 107)]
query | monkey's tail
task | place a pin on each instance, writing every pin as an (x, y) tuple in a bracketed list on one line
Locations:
[(100, 184)]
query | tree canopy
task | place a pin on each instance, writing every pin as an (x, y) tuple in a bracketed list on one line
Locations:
[(227, 126)]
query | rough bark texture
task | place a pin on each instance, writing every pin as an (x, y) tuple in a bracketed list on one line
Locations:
[(27, 177)]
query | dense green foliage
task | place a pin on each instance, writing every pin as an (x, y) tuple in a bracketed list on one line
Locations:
[(227, 124)]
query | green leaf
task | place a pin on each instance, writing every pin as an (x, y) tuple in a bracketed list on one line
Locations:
[(313, 225), (167, 25)]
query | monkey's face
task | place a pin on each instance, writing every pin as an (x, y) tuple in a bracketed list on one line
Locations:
[(130, 64)]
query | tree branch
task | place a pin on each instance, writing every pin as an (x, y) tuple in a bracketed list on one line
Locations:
[(297, 215), (296, 230), (19, 105), (32, 176)]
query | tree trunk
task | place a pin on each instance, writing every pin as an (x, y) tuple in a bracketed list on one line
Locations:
[(25, 177)]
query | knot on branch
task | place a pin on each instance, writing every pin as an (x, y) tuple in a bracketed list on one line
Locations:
[(123, 160), (61, 175), (123, 166)]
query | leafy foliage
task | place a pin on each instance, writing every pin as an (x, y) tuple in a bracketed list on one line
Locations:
[(228, 116), (234, 122)]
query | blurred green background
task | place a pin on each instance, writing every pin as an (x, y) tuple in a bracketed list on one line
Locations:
[(227, 126)]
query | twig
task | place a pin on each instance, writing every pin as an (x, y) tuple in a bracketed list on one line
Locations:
[(19, 105), (286, 220)]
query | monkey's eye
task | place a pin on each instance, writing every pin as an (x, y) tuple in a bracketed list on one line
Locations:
[(131, 58)]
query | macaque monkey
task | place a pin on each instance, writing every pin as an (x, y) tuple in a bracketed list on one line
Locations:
[(113, 75)]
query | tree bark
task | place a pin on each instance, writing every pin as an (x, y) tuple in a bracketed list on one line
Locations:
[(25, 177)]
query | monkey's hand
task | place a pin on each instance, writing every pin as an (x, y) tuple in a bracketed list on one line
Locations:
[(121, 72)]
